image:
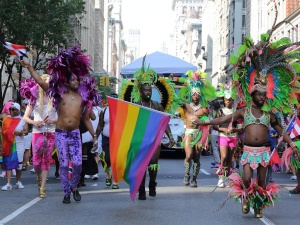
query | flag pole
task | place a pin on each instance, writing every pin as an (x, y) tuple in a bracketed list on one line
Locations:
[(20, 77)]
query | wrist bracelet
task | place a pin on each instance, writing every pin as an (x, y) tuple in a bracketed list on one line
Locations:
[(292, 144)]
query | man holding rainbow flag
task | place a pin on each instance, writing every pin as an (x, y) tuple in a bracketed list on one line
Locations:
[(146, 125)]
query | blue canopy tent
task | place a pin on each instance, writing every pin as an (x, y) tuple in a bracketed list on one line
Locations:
[(161, 63)]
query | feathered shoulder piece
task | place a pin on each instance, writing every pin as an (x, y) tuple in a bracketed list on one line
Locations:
[(71, 62), (270, 67), (165, 90), (29, 90), (195, 83)]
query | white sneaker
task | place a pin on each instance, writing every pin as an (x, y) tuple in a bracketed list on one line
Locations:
[(6, 187), (294, 177), (95, 177), (19, 185), (32, 170), (3, 174), (221, 183), (87, 176)]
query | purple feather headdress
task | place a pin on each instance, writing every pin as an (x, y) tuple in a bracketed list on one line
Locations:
[(75, 63), (29, 90)]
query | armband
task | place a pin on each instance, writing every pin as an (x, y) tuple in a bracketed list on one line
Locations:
[(273, 124)]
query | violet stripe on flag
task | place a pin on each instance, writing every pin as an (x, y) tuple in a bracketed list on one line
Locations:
[(296, 129)]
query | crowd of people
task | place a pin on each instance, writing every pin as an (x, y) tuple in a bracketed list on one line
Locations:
[(64, 116)]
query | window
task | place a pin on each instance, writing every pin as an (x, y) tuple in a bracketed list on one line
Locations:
[(244, 4), (243, 21)]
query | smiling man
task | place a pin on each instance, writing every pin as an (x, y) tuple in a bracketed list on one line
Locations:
[(71, 103)]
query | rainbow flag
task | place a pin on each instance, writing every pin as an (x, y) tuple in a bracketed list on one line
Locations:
[(135, 133)]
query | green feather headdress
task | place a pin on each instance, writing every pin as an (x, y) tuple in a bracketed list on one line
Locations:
[(271, 67), (196, 83)]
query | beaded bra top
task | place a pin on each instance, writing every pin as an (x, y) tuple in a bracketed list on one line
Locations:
[(249, 118)]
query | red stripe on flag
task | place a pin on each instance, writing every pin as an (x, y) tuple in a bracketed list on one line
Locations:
[(296, 129)]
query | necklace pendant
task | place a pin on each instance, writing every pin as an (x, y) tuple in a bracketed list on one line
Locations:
[(257, 121)]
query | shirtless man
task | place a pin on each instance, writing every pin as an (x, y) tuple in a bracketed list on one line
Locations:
[(256, 126), (67, 135), (191, 147)]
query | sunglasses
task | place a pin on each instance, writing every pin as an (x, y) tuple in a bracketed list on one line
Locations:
[(12, 109)]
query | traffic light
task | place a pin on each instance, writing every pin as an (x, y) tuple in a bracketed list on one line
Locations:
[(102, 81), (107, 81)]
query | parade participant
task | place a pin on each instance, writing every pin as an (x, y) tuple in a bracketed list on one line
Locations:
[(197, 91), (13, 131), (71, 91), (43, 132), (140, 92), (266, 79), (103, 129), (227, 136)]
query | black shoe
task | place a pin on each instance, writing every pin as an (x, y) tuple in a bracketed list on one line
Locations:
[(142, 193), (81, 183), (67, 199), (152, 189), (57, 175), (76, 195)]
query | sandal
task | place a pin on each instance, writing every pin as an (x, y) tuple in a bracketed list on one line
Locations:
[(115, 186), (296, 190)]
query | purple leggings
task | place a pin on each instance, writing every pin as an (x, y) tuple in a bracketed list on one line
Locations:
[(68, 144)]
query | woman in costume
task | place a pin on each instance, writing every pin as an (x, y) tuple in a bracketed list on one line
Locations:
[(13, 131), (140, 92), (267, 80), (227, 139), (195, 96), (43, 132)]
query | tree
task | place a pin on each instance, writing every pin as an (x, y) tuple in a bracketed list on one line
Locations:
[(43, 26)]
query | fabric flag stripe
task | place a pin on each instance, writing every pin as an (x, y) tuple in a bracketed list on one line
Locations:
[(135, 133), (296, 129), (134, 177), (291, 124), (15, 49)]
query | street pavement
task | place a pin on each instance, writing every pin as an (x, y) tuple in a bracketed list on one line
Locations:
[(175, 204)]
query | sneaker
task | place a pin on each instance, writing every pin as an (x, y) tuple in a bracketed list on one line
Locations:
[(186, 180), (67, 199), (221, 183), (95, 177), (87, 176), (3, 174), (193, 184), (32, 170), (294, 177), (7, 187), (19, 185)]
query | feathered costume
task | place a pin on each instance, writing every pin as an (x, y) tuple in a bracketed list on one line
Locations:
[(74, 62), (270, 67), (195, 83), (130, 90)]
